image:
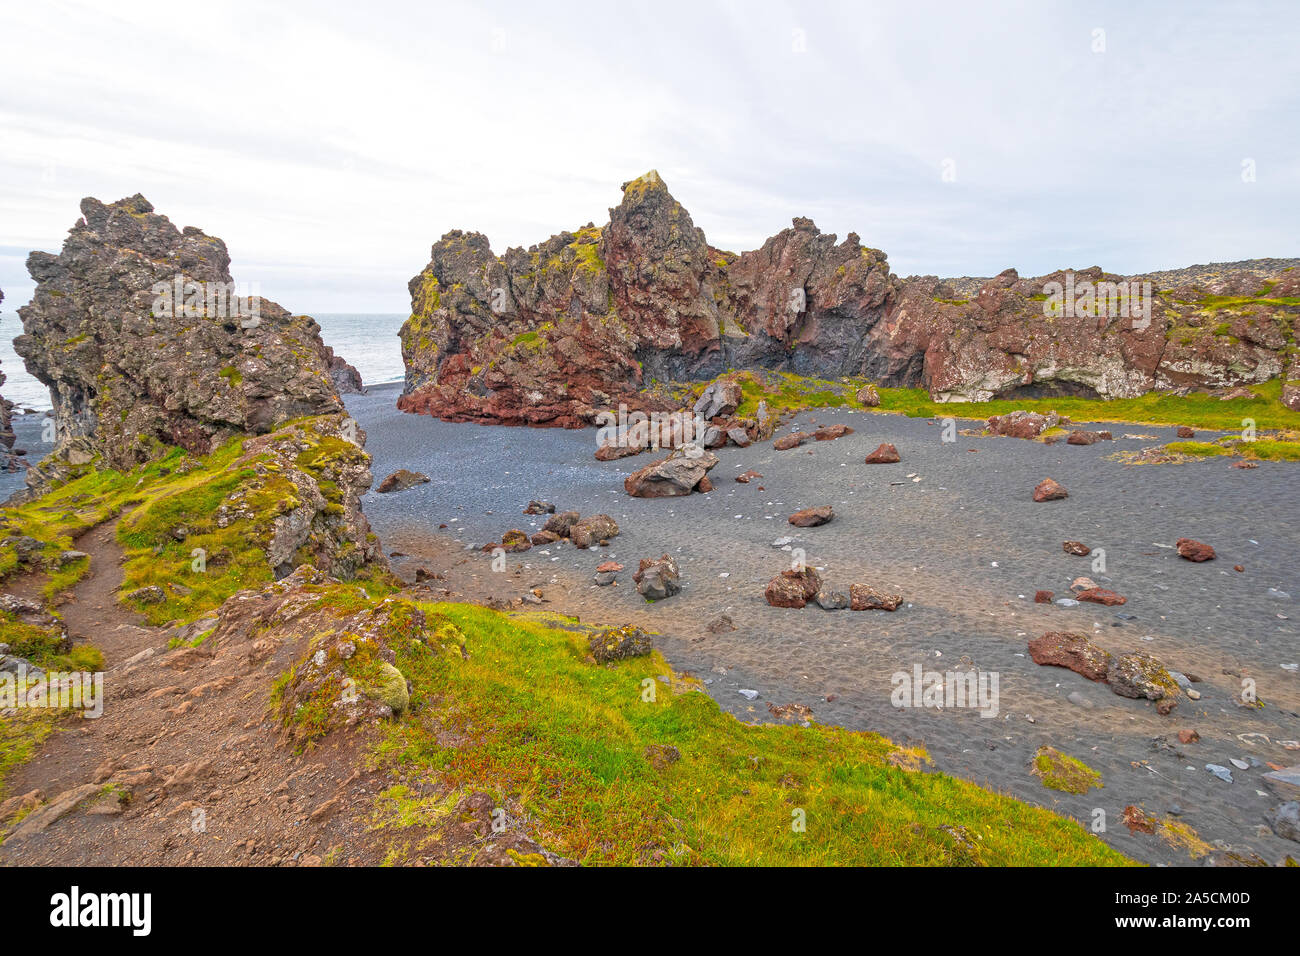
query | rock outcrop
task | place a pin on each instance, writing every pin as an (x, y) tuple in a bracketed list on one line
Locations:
[(585, 321), (137, 329), (6, 425)]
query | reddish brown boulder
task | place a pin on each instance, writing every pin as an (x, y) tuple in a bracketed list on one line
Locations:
[(793, 440), (812, 517), (747, 477), (544, 537), (863, 597), (1102, 596), (1076, 547), (1021, 424), (793, 588), (1073, 651), (886, 454), (705, 486), (609, 566), (559, 524), (1082, 437), (1043, 597), (1194, 550), (515, 541), (868, 396), (832, 432), (1188, 736), (614, 451), (592, 530), (1050, 490), (1185, 432), (401, 480)]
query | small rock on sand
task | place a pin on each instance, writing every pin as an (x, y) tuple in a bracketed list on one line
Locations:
[(812, 517), (886, 454), (1050, 490), (1194, 550)]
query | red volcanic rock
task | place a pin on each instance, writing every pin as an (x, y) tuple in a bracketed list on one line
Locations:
[(609, 566), (1043, 597), (1081, 437), (1188, 736), (1245, 464), (544, 537), (613, 451), (1021, 424), (1049, 490), (1076, 547), (705, 486), (559, 524), (1238, 567), (863, 597), (1185, 432), (812, 517), (515, 541), (1073, 651), (592, 530), (401, 480), (556, 334), (831, 432), (1102, 596), (886, 454), (747, 477), (793, 440), (1194, 550), (792, 588)]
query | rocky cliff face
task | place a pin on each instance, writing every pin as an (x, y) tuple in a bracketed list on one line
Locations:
[(554, 334), (137, 329), (6, 425)]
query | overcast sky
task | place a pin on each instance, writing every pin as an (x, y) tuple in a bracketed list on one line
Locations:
[(329, 144)]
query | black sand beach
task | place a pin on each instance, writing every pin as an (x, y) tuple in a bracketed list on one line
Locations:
[(964, 544)]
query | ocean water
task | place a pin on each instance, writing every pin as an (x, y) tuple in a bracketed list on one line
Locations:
[(368, 341)]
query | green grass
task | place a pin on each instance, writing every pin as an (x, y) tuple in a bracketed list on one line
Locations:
[(1061, 772), (783, 391), (528, 718)]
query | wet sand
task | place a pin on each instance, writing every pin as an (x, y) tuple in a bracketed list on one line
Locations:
[(965, 545)]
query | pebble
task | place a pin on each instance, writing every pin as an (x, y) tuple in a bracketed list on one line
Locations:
[(1081, 701), (1278, 595), (1067, 602), (749, 694), (1223, 773), (1239, 764)]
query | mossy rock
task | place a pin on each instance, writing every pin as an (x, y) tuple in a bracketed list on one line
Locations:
[(388, 686)]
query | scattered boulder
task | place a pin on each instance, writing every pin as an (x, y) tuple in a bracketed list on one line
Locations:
[(747, 477), (1043, 597), (792, 588), (544, 537), (401, 480), (812, 517), (607, 572), (1102, 596), (832, 432), (661, 756), (863, 597), (793, 440), (539, 508), (829, 600), (677, 475), (722, 397), (657, 578), (559, 524), (1185, 432), (720, 624), (1188, 736), (868, 396), (1073, 651), (1194, 550), (619, 643), (1082, 437), (1022, 424), (886, 454), (1077, 548), (592, 530), (150, 594), (1285, 821), (515, 541), (1050, 490), (1140, 675)]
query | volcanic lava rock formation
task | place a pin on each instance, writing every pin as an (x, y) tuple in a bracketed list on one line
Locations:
[(6, 424), (555, 334), (138, 332)]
